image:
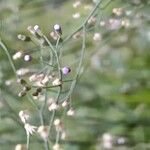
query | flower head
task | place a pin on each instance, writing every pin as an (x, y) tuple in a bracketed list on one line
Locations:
[(43, 131), (20, 147), (56, 82), (66, 70), (57, 29), (30, 129), (24, 115)]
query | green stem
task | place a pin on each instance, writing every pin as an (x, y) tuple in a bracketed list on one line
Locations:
[(9, 57), (28, 141)]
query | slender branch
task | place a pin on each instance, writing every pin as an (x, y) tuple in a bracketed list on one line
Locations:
[(9, 57)]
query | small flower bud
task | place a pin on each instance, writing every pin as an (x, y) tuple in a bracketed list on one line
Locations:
[(20, 147), (117, 11), (54, 35), (26, 88), (76, 4), (22, 93), (65, 103), (63, 135), (92, 21), (23, 37), (27, 58), (39, 90), (76, 15), (45, 80), (56, 147), (66, 70), (97, 37), (57, 122), (53, 106), (36, 28), (57, 29), (43, 131), (31, 30), (21, 81), (71, 112), (24, 115), (77, 35), (17, 55), (35, 93)]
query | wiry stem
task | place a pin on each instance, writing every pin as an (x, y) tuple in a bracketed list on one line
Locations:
[(9, 57)]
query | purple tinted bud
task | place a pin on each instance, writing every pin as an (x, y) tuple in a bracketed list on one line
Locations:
[(66, 70)]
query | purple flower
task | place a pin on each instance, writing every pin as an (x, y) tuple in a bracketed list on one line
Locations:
[(65, 70)]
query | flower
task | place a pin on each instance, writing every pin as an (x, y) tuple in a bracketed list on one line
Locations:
[(117, 11), (27, 58), (57, 122), (76, 15), (56, 82), (20, 147), (71, 112), (43, 131), (56, 147), (53, 106), (57, 29), (65, 103), (92, 20), (66, 70), (76, 4), (107, 140), (97, 37), (30, 129), (17, 55), (24, 115)]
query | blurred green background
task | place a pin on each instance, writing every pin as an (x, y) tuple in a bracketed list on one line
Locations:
[(113, 93)]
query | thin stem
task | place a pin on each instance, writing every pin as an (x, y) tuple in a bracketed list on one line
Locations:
[(73, 84), (51, 121), (85, 22), (9, 57), (28, 141)]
